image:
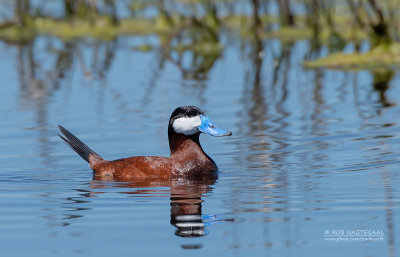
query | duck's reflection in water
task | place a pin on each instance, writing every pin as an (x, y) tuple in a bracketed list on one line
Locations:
[(186, 198), (186, 201)]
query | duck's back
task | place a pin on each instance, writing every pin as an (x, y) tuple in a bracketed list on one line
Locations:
[(134, 167)]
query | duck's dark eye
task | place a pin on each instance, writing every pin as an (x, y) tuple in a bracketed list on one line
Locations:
[(212, 126)]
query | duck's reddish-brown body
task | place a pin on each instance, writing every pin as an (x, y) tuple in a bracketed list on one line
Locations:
[(187, 159)]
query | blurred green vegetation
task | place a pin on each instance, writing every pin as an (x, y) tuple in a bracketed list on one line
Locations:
[(196, 25)]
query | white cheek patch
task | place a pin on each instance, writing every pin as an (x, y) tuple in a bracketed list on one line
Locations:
[(187, 126)]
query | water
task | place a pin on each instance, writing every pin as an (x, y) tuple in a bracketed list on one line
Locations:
[(314, 153)]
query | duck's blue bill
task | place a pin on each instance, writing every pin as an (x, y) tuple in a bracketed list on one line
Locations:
[(208, 127)]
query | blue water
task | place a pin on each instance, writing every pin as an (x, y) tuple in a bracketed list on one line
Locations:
[(314, 153)]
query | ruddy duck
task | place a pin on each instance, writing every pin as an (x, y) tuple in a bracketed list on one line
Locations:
[(187, 157)]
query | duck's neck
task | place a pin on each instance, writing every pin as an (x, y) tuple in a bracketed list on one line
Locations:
[(181, 144), (187, 152)]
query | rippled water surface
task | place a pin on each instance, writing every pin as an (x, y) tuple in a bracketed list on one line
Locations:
[(314, 154)]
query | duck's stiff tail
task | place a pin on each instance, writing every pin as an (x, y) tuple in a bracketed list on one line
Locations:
[(78, 146)]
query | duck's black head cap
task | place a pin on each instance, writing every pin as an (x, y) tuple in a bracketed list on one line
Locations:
[(185, 111)]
